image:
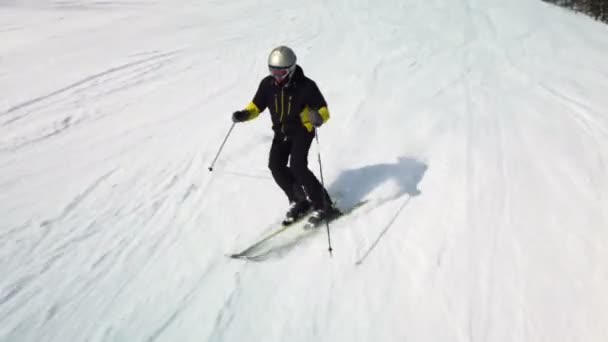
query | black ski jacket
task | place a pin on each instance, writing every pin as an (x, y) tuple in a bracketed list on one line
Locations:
[(289, 105)]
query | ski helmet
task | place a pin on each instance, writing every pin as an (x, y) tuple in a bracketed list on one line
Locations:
[(282, 63)]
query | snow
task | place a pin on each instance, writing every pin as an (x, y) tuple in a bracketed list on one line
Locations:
[(476, 130)]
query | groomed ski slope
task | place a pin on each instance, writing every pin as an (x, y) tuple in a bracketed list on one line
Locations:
[(476, 129)]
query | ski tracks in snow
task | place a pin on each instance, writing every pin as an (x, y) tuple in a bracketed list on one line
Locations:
[(77, 103), (39, 248), (116, 245), (485, 165), (123, 76)]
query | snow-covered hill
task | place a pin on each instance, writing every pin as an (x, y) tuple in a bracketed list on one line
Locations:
[(477, 131)]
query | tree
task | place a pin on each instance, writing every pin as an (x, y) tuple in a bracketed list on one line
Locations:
[(597, 9)]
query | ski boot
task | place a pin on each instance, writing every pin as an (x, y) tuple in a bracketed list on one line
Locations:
[(321, 216), (297, 210)]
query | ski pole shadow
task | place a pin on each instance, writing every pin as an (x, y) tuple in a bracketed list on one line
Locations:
[(384, 231), (355, 184)]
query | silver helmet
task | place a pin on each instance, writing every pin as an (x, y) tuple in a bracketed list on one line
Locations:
[(282, 63)]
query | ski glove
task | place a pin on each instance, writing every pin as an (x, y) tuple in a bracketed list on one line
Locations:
[(240, 116), (315, 118)]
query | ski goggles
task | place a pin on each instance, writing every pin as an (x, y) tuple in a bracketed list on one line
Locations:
[(279, 72)]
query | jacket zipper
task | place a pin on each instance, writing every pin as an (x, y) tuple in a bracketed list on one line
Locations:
[(282, 104), (282, 112), (276, 106), (276, 103)]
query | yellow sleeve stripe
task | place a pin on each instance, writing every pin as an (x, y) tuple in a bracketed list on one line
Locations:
[(324, 112), (253, 110)]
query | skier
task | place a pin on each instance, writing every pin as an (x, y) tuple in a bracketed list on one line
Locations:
[(297, 108)]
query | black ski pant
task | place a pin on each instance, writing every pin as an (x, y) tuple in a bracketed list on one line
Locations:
[(297, 181)]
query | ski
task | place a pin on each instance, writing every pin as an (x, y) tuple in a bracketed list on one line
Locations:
[(257, 252), (283, 227)]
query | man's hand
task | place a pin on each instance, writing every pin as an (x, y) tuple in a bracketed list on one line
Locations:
[(240, 116), (315, 118)]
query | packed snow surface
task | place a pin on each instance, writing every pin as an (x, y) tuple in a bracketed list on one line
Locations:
[(475, 130)]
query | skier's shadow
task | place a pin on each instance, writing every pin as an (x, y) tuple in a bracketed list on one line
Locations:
[(352, 186)]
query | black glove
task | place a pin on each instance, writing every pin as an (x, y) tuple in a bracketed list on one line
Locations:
[(315, 118), (240, 116)]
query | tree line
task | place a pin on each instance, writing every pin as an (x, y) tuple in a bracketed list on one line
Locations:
[(598, 9)]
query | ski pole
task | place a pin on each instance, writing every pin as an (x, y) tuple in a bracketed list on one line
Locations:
[(323, 190), (221, 147)]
